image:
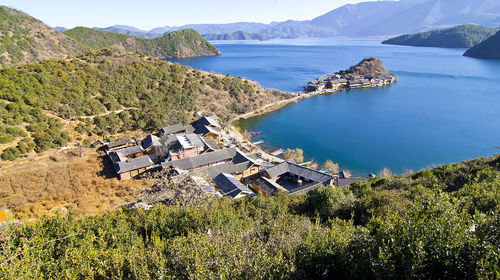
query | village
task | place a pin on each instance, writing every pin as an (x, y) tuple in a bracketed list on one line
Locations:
[(213, 158), (331, 83)]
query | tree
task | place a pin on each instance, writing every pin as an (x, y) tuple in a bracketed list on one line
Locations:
[(386, 172), (331, 165), (295, 155)]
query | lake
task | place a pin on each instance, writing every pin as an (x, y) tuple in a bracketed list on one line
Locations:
[(445, 107)]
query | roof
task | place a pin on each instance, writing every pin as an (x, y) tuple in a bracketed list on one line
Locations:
[(130, 150), (205, 129), (151, 141), (119, 143), (205, 186), (228, 167), (201, 160), (344, 182), (133, 164), (206, 121), (189, 141), (267, 186), (176, 128), (229, 185), (210, 143), (298, 170)]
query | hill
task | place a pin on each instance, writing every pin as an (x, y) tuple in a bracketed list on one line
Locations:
[(129, 30), (155, 93), (238, 35), (462, 36), (434, 224), (489, 49), (24, 39), (182, 43)]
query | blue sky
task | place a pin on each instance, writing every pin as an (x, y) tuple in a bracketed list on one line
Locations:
[(148, 14)]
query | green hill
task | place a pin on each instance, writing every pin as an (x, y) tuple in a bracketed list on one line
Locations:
[(441, 223), (238, 35), (24, 39), (462, 36), (34, 96), (182, 43), (489, 49)]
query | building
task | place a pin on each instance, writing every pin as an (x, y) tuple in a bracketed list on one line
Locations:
[(208, 127), (190, 145), (230, 186), (120, 144), (133, 167), (296, 178), (176, 129)]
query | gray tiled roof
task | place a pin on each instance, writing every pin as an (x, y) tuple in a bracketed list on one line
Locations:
[(266, 185), (229, 185), (133, 164), (119, 143), (298, 170), (176, 128), (130, 150), (151, 141), (229, 168), (189, 141), (201, 160), (344, 182)]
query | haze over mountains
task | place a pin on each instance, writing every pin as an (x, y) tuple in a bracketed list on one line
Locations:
[(379, 18)]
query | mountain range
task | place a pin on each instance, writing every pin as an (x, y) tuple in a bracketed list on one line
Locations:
[(378, 18)]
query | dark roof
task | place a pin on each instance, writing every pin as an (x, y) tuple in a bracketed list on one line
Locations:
[(229, 185), (189, 141), (298, 170), (133, 164), (205, 129), (206, 121), (119, 143), (228, 167), (176, 128), (266, 185), (151, 141), (201, 160), (130, 150), (210, 143)]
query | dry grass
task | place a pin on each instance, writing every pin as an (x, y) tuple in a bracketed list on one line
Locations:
[(64, 181)]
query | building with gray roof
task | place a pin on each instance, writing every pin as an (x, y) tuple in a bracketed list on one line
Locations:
[(230, 186), (176, 129)]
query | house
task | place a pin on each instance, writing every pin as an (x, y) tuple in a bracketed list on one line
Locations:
[(230, 186), (97, 144), (201, 161), (176, 129), (120, 144), (207, 127), (132, 167), (126, 153), (264, 185), (296, 178), (190, 145)]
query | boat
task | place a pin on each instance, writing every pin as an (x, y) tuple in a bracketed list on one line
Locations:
[(278, 152), (258, 142), (255, 132)]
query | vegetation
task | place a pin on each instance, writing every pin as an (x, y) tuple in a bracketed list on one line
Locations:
[(238, 35), (295, 155), (24, 39), (489, 49), (182, 43), (462, 36), (370, 66), (434, 224), (154, 93)]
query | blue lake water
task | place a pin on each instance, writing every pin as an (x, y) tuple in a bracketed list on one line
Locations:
[(445, 107)]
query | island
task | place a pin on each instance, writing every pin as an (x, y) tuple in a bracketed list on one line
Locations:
[(461, 36), (368, 73), (489, 49)]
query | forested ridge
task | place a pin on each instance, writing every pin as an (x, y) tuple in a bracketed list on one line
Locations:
[(442, 223), (35, 97)]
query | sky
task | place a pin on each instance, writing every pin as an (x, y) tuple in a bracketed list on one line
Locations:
[(148, 14)]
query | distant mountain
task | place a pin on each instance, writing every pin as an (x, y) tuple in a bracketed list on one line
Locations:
[(129, 30), (238, 35), (25, 39), (182, 43), (374, 18), (489, 49), (60, 28), (462, 36)]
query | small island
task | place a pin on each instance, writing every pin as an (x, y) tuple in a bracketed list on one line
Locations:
[(368, 73)]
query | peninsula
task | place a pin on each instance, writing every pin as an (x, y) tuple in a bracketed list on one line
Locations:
[(368, 73), (489, 49)]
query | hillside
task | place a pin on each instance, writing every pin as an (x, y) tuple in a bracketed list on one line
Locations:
[(434, 224), (489, 49), (238, 35), (182, 43), (155, 93), (24, 39), (462, 36)]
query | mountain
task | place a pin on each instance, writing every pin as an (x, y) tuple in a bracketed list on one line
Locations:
[(238, 35), (182, 43), (462, 36), (489, 49), (375, 18), (25, 39), (60, 28), (129, 30)]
